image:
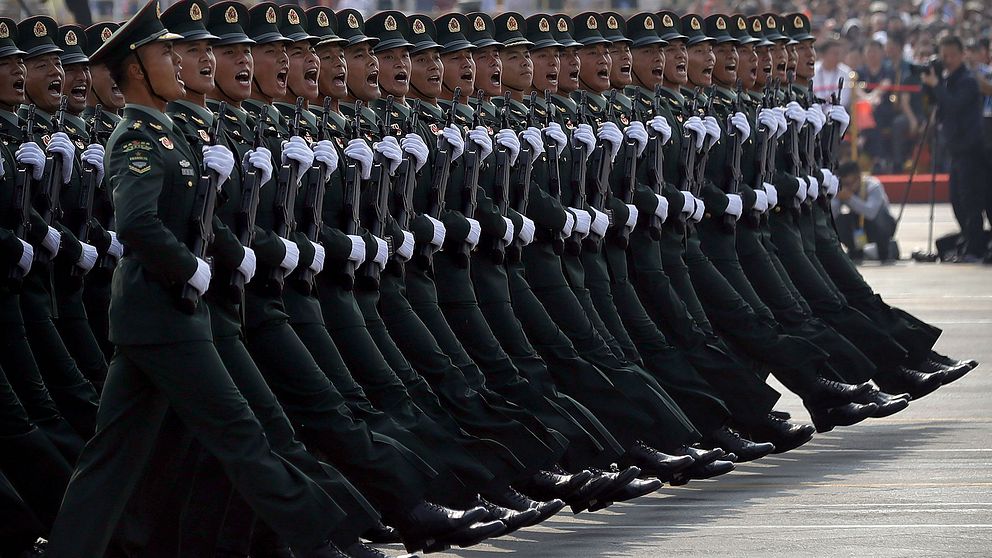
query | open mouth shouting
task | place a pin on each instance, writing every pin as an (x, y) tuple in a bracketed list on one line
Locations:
[(78, 92), (552, 78), (373, 78), (19, 86), (282, 78), (55, 88), (243, 78), (340, 79), (625, 70), (401, 78), (310, 77), (495, 79), (603, 73), (207, 72)]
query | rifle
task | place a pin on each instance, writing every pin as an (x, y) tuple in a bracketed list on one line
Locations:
[(629, 183), (352, 196), (687, 159), (792, 142), (313, 203), (655, 157), (51, 182), (501, 184), (470, 186), (285, 202), (734, 159), (380, 205), (602, 165), (22, 197), (404, 183), (525, 169), (704, 155), (554, 171), (765, 146), (573, 244), (441, 173), (88, 186), (203, 225), (244, 226)]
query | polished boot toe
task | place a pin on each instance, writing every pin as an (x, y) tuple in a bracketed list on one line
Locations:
[(588, 494), (473, 534), (654, 463), (633, 489), (826, 419), (827, 391), (514, 500), (701, 455), (954, 373), (362, 550), (887, 403), (382, 534), (784, 415), (700, 472), (948, 361), (915, 383), (785, 435), (548, 485), (512, 519), (730, 440), (427, 522)]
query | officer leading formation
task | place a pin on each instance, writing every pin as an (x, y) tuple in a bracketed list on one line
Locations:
[(286, 282)]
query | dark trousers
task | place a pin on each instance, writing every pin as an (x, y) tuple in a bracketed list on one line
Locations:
[(879, 231), (969, 194)]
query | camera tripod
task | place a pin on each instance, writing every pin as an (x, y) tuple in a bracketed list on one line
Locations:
[(930, 128)]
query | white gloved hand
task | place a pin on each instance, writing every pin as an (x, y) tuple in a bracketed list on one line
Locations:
[(248, 264), (688, 202), (508, 139), (116, 249), (631, 217), (297, 150), (569, 226), (261, 160), (317, 265), (357, 253), (803, 190), (839, 114), (358, 150), (812, 187), (739, 121), (610, 133), (534, 138), (557, 135), (61, 144), (582, 135), (474, 232), (600, 223), (830, 182), (391, 151), (417, 147), (735, 205), (796, 113), (661, 126), (480, 135), (713, 131), (30, 155), (219, 159), (527, 229), (292, 257), (510, 232), (405, 251), (637, 132), (768, 119), (87, 258), (772, 194), (783, 123), (814, 115), (453, 135), (699, 211), (200, 280), (439, 232), (381, 252), (325, 153), (760, 201), (582, 221), (695, 125), (52, 242), (93, 156), (661, 210), (27, 257)]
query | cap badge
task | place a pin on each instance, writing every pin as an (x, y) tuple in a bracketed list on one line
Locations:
[(798, 22), (649, 23), (418, 26), (721, 24), (741, 24), (390, 23), (694, 24), (611, 23), (756, 26), (479, 24), (231, 14), (40, 30), (270, 15), (70, 38), (454, 26), (591, 22), (322, 19), (293, 17), (562, 25), (4, 31), (544, 25), (667, 21), (511, 24), (770, 22), (106, 34), (352, 21), (195, 13)]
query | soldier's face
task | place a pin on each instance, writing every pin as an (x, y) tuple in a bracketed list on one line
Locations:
[(780, 59), (648, 65), (676, 63), (76, 86), (199, 66), (271, 69), (594, 69), (620, 68), (547, 68), (764, 65), (793, 57), (43, 81), (11, 81), (518, 69), (304, 70), (394, 71), (806, 60), (488, 71), (333, 79), (363, 72), (235, 67), (747, 65), (427, 73), (568, 80), (701, 63), (459, 71), (164, 66), (725, 67)]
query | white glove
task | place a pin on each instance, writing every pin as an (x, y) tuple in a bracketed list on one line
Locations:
[(533, 136), (391, 151), (768, 119), (87, 259), (297, 150), (812, 188), (610, 133), (324, 152), (381, 252), (261, 160), (830, 182), (116, 249), (697, 213), (508, 235), (839, 114), (52, 242), (439, 232), (713, 130), (27, 257), (637, 132), (474, 232), (795, 112), (582, 136), (739, 121), (527, 229), (201, 277), (405, 251), (508, 139), (357, 254), (688, 202), (582, 221), (93, 156), (569, 226), (772, 194), (29, 154), (317, 265), (219, 159), (358, 150), (814, 115), (453, 135), (783, 124), (247, 266), (660, 125), (292, 257), (61, 144), (661, 210), (695, 125), (480, 135), (735, 205), (417, 147), (803, 190), (600, 222), (631, 217), (760, 201), (555, 132)]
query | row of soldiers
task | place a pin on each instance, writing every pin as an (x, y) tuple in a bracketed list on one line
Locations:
[(413, 280)]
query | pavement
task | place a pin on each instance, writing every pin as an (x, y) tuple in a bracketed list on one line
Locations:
[(914, 484)]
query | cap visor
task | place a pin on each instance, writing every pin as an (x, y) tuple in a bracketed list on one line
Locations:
[(74, 58), (804, 37), (486, 42), (618, 39), (775, 36), (645, 41), (545, 43), (693, 41), (11, 51), (569, 43), (589, 41), (456, 46), (424, 45), (169, 36), (233, 39), (517, 41), (673, 36), (198, 35), (390, 44), (359, 39), (272, 37), (42, 49), (304, 36), (332, 40)]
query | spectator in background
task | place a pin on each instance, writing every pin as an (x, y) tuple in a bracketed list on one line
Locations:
[(865, 200), (907, 97), (828, 70), (981, 66), (877, 78)]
